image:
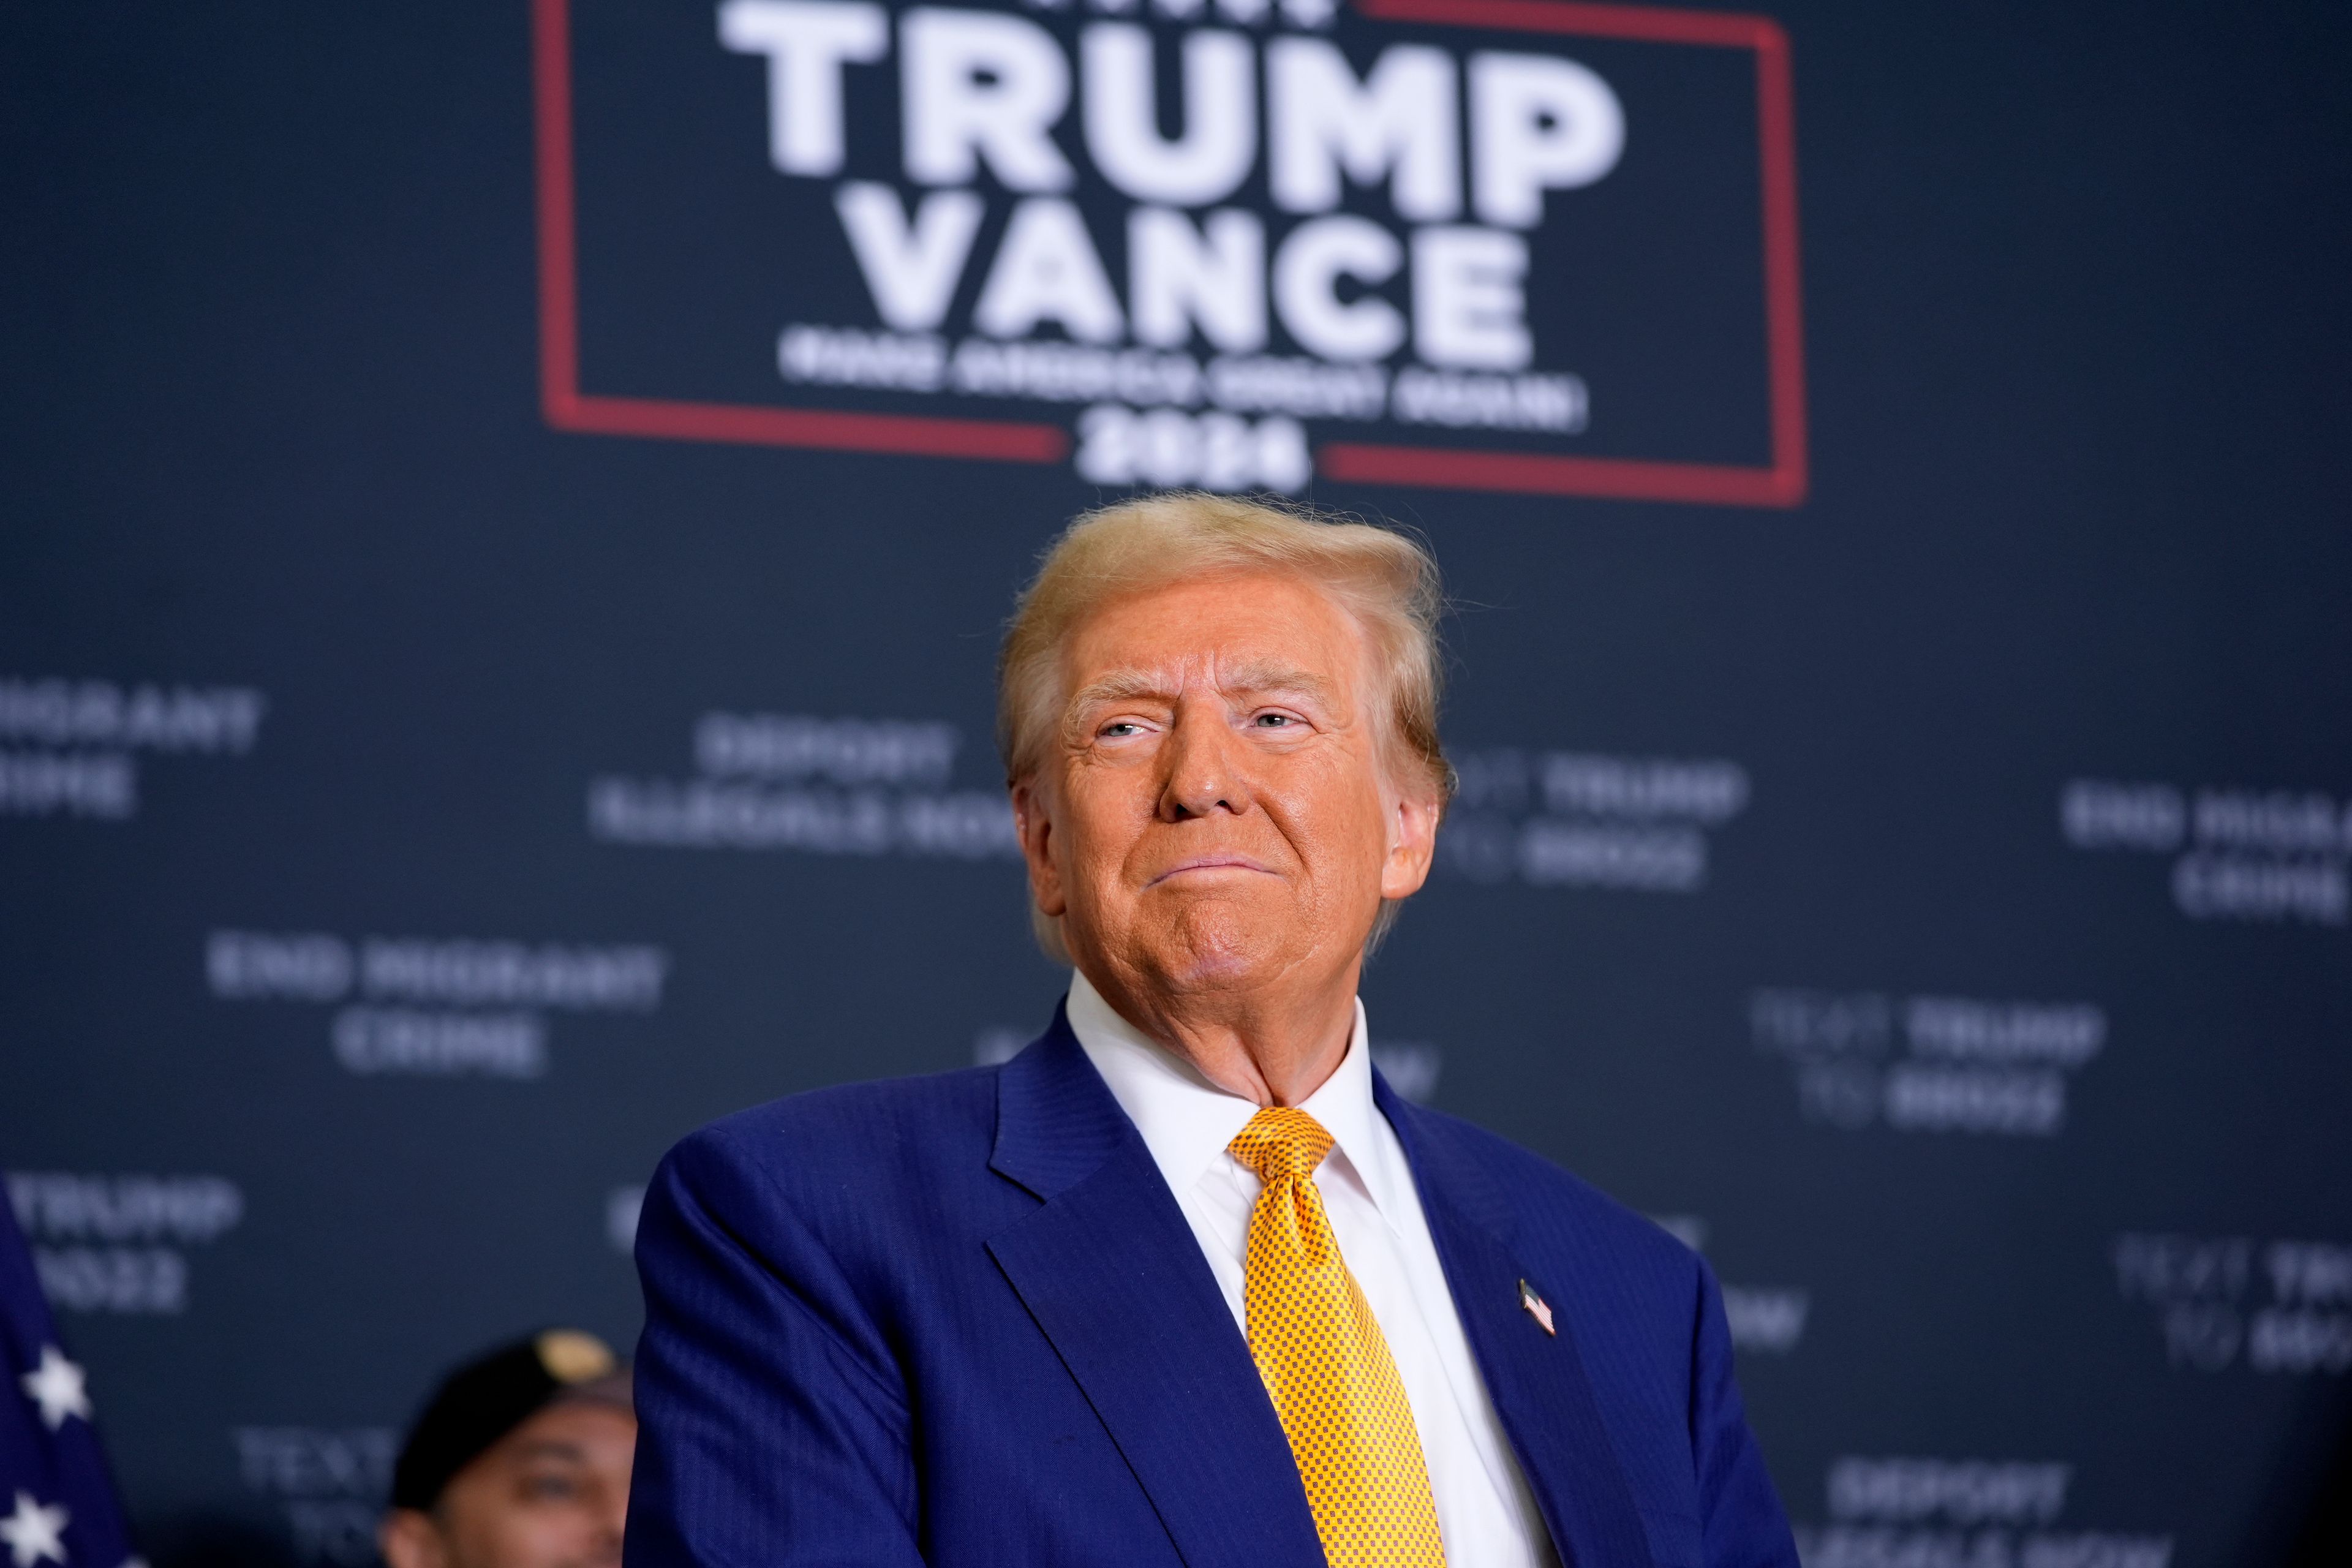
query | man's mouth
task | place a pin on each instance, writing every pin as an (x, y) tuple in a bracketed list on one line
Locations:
[(1211, 864)]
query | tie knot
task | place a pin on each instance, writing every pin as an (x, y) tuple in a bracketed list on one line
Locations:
[(1280, 1141)]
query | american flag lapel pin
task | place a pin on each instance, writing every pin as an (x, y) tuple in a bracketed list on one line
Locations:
[(1537, 1307)]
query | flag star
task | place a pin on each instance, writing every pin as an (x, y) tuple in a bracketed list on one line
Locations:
[(34, 1533), (57, 1386)]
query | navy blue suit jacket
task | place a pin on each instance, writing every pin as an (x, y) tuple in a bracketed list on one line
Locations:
[(961, 1321)]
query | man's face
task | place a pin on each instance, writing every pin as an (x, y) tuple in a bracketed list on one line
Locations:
[(552, 1493), (1212, 813)]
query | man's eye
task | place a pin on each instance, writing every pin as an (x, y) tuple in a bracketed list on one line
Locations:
[(1277, 721), (1121, 727), (549, 1488)]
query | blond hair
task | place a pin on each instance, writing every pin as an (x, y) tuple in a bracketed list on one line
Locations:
[(1386, 579)]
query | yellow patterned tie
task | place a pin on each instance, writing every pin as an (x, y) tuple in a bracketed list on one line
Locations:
[(1334, 1384)]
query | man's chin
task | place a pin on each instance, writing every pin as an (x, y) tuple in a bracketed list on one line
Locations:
[(1221, 944)]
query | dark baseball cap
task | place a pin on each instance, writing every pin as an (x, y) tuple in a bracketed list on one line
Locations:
[(489, 1397)]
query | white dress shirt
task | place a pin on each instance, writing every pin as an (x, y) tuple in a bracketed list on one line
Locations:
[(1487, 1516)]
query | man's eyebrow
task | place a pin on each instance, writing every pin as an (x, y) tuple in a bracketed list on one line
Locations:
[(1265, 674), (552, 1448), (1119, 686)]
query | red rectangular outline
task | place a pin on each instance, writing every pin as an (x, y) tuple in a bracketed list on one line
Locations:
[(1781, 484), (566, 407), (1784, 483)]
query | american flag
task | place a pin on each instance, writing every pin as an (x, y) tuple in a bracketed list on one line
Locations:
[(57, 1500)]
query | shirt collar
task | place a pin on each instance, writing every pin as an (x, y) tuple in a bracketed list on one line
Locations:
[(1186, 1121)]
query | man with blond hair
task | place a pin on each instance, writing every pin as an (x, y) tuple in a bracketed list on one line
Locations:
[(1184, 1282)]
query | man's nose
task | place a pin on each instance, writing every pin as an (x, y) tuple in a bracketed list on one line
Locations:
[(1207, 772)]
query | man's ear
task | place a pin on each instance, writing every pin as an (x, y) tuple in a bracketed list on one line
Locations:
[(1033, 823), (1412, 845), (411, 1540)]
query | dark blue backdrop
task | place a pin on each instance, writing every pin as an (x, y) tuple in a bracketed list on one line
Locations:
[(471, 710)]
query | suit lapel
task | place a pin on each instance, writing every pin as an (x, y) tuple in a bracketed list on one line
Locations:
[(1113, 1275), (1536, 1380)]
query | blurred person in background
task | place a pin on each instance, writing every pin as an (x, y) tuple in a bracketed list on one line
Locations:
[(521, 1460)]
